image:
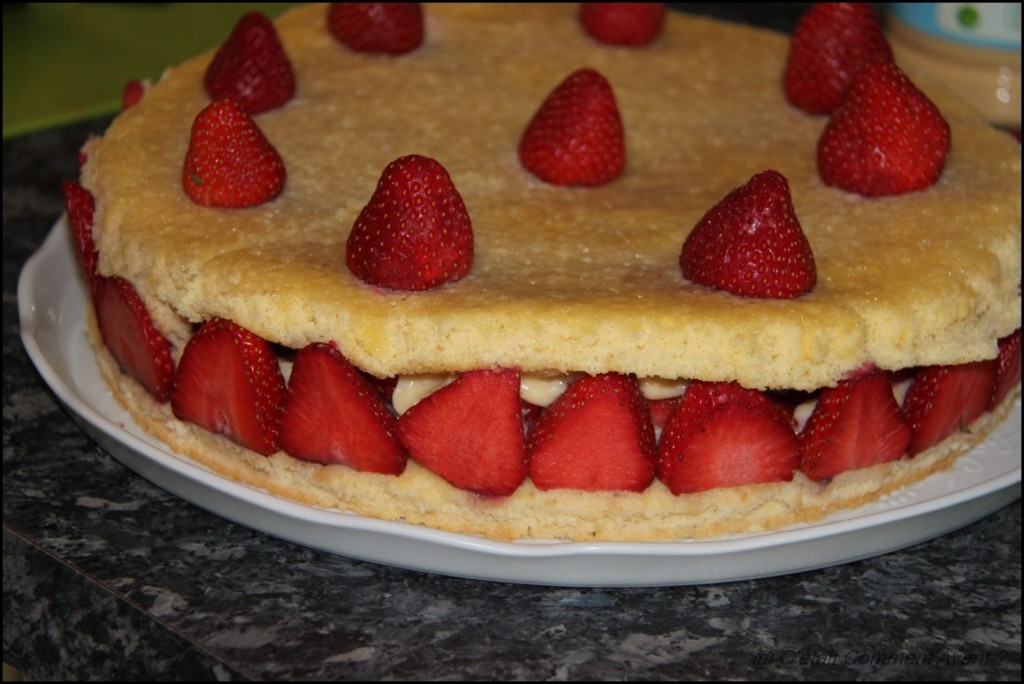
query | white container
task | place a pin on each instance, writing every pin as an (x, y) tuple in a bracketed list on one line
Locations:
[(973, 49)]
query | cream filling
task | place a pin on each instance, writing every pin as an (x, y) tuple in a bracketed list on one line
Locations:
[(539, 389), (542, 389), (412, 389), (662, 388), (804, 410)]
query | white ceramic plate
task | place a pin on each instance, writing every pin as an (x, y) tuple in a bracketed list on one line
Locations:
[(51, 298)]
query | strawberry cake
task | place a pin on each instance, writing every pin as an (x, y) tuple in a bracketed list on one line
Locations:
[(561, 272)]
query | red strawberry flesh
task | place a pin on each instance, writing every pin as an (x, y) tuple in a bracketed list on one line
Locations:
[(470, 432), (662, 410), (723, 435), (128, 332), (80, 207), (332, 415), (1007, 368), (855, 424), (944, 399), (597, 436), (229, 382)]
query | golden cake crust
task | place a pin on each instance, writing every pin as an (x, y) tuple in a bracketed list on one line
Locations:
[(564, 279), (422, 498)]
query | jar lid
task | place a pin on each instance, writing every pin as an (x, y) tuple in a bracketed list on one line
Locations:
[(993, 25)]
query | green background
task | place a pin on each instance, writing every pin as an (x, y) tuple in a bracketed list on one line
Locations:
[(69, 61)]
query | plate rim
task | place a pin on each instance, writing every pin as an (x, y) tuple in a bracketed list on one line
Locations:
[(1002, 487)]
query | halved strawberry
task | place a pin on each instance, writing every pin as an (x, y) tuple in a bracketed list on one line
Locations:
[(723, 435), (389, 27), (229, 382), (854, 424), (944, 399), (885, 137), (751, 243), (576, 136), (332, 415), (415, 232), (531, 414), (470, 432), (132, 93), (230, 163), (80, 206), (251, 67), (1007, 368), (597, 436), (662, 409), (829, 44), (384, 387), (622, 23), (140, 349)]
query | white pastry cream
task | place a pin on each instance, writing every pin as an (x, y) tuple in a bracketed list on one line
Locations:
[(539, 389)]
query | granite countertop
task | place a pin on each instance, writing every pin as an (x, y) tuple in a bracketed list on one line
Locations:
[(106, 576)]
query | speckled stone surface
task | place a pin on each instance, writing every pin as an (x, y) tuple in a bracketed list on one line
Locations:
[(108, 577)]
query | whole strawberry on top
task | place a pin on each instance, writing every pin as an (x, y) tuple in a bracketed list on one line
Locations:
[(415, 232), (576, 137), (386, 27), (230, 163), (885, 137), (751, 243), (622, 23), (829, 44), (251, 67)]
